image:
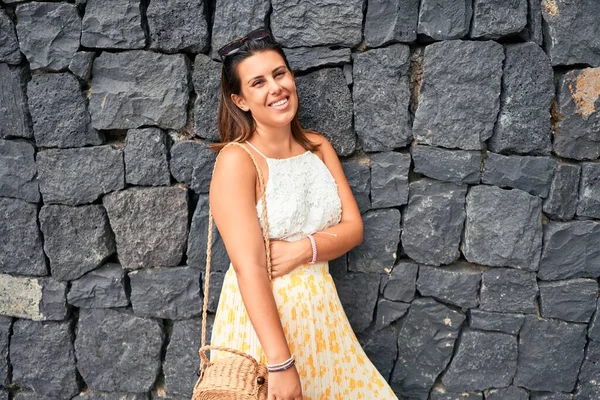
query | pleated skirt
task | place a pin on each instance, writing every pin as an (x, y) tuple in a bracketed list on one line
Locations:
[(329, 359)]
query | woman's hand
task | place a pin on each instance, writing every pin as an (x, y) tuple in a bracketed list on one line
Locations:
[(285, 385), (286, 256)]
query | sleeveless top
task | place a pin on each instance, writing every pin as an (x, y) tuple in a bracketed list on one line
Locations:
[(302, 196)]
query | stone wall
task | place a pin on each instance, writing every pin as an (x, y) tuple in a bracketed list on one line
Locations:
[(470, 133)]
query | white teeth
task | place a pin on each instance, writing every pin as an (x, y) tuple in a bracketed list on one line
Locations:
[(279, 103)]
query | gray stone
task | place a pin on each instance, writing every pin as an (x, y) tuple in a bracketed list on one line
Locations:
[(571, 300), (147, 89), (181, 359), (588, 386), (81, 64), (215, 286), (389, 179), (483, 360), (460, 94), (38, 299), (21, 247), (14, 115), (5, 330), (381, 96), (18, 171), (576, 133), (146, 157), (381, 348), (42, 358), (594, 327), (508, 290), (433, 221), (528, 173), (179, 25), (572, 32), (527, 91), (589, 191), (571, 250), (98, 395), (550, 396), (207, 84), (166, 292), (455, 284), (359, 175), (304, 58), (339, 266), (439, 392), (329, 22), (561, 202), (150, 225), (457, 166), (111, 25), (507, 393), (358, 286), (503, 228), (192, 163), (533, 29), (378, 251), (196, 245), (48, 34), (399, 285), (389, 312), (9, 45), (117, 351), (493, 19), (391, 21), (101, 288), (326, 106), (425, 346), (76, 239), (444, 19), (30, 395), (79, 176), (498, 322), (550, 353), (64, 121)]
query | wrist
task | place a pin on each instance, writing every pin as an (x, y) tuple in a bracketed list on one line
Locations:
[(306, 252)]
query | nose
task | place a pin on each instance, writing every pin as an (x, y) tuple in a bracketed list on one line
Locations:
[(274, 87)]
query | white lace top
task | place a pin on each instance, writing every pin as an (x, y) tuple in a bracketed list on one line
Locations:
[(302, 196)]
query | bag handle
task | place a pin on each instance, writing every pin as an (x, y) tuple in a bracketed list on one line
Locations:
[(262, 188)]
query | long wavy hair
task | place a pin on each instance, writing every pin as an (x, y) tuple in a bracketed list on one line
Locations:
[(236, 125)]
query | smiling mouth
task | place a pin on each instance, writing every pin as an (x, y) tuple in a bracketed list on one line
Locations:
[(280, 103)]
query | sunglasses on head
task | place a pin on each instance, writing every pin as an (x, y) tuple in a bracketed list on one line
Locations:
[(235, 45)]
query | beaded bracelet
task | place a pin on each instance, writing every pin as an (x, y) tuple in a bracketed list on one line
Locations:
[(282, 366), (314, 248)]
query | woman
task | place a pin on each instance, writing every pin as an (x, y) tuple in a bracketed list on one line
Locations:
[(295, 323)]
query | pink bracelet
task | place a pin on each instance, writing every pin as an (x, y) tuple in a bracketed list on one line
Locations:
[(314, 248)]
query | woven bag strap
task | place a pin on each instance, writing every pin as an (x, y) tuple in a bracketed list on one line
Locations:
[(261, 184)]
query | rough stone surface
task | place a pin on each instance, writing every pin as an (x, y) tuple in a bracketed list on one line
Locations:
[(444, 19), (571, 300), (18, 171), (460, 94), (196, 245), (399, 285), (483, 360), (326, 106), (498, 322), (389, 179), (353, 286), (117, 351), (456, 284), (508, 290), (328, 22), (150, 225), (64, 121), (388, 312), (588, 386), (42, 358), (192, 163), (14, 117), (594, 327), (146, 157), (304, 58), (381, 348), (113, 25), (79, 176), (571, 250), (589, 191), (359, 175), (5, 330), (561, 202), (528, 173), (550, 353), (9, 45), (507, 393), (147, 89), (527, 90), (207, 84), (576, 133), (37, 299), (179, 25), (381, 96), (101, 288), (425, 346), (533, 30), (550, 396), (439, 392), (503, 228), (216, 284), (433, 221), (493, 19), (391, 21), (48, 34), (99, 395), (81, 64), (457, 166), (182, 360), (378, 251)]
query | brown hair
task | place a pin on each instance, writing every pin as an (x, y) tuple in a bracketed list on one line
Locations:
[(236, 125)]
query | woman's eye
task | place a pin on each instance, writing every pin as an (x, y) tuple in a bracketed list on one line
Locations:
[(256, 83)]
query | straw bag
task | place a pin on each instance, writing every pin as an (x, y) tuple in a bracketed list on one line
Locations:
[(239, 376)]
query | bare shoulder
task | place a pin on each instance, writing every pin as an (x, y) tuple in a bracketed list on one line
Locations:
[(233, 163)]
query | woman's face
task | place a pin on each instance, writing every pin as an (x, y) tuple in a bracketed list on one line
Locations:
[(268, 89)]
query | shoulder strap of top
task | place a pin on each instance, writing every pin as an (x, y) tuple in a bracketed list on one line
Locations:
[(258, 151)]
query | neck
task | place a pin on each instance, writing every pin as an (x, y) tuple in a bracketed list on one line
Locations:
[(277, 141)]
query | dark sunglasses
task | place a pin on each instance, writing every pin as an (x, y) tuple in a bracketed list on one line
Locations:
[(235, 45)]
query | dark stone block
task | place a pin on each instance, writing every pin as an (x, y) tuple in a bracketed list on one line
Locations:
[(111, 25), (457, 166), (101, 288), (400, 284), (389, 312), (361, 287), (571, 300), (304, 58), (146, 157), (594, 327), (507, 393), (439, 392), (5, 330), (533, 29), (192, 163), (550, 396), (9, 45), (493, 19), (214, 292), (389, 179), (381, 348), (391, 21), (207, 84), (38, 299), (81, 64), (561, 202), (589, 191), (18, 171), (498, 322), (99, 395), (14, 117), (455, 284), (508, 290), (359, 175), (444, 19), (339, 266), (588, 386), (196, 246)]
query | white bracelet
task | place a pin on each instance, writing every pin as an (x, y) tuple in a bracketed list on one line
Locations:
[(281, 364), (314, 248)]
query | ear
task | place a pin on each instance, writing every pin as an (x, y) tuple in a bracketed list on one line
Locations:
[(240, 102)]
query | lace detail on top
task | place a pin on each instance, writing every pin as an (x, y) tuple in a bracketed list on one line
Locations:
[(301, 195)]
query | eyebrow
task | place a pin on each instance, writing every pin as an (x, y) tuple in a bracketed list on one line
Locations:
[(260, 76)]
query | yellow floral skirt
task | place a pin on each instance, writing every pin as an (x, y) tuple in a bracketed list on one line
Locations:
[(330, 361)]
